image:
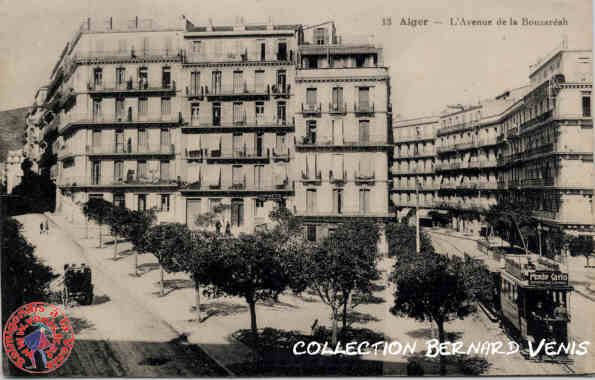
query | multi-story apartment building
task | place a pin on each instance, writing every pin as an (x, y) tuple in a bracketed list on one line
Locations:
[(413, 165), (533, 144), (186, 118), (342, 139), (14, 171)]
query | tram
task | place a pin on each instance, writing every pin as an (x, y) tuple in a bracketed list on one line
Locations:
[(535, 300)]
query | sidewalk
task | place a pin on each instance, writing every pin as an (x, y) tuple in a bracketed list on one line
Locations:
[(175, 308)]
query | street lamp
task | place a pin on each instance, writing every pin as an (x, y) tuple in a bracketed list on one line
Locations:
[(539, 237)]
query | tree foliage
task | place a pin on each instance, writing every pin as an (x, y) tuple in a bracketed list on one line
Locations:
[(581, 246), (401, 240), (24, 277), (436, 288)]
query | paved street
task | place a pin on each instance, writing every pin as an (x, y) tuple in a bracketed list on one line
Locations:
[(130, 325), (581, 327), (117, 335)]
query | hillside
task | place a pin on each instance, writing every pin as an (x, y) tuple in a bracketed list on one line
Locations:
[(12, 127)]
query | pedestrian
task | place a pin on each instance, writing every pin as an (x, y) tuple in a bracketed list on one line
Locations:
[(47, 226), (41, 228)]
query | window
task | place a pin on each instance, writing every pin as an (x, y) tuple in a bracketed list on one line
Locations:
[(311, 96), (259, 81), (237, 212), (218, 48), (319, 36), (364, 201), (263, 49), (141, 169), (239, 116), (164, 138), (119, 141), (259, 143), (119, 200), (96, 138), (311, 200), (364, 98), (259, 111), (311, 232), (118, 171), (337, 99), (96, 173), (360, 60), (165, 202), (142, 139), (364, 131), (120, 77), (282, 51), (142, 202), (586, 106), (338, 201), (98, 77), (165, 106), (166, 77), (143, 106), (164, 171), (122, 46), (236, 174), (216, 82), (196, 47), (195, 114), (95, 196), (216, 114), (258, 206), (281, 80), (97, 115), (258, 175), (281, 112), (194, 83), (311, 132), (214, 203), (238, 83), (238, 145), (119, 109), (143, 78), (280, 139)]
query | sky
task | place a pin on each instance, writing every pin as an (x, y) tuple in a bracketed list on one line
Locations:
[(430, 66)]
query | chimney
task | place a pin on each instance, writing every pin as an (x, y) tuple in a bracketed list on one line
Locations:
[(210, 26), (270, 23), (239, 25)]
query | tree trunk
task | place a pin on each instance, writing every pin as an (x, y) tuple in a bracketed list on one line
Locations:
[(345, 302), (253, 327), (161, 285), (86, 228), (135, 263), (334, 337), (100, 236), (441, 340), (197, 296)]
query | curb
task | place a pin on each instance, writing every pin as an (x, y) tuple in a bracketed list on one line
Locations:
[(86, 254), (488, 313)]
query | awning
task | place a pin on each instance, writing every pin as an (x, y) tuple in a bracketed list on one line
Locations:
[(213, 176), (280, 174), (338, 166), (214, 142)]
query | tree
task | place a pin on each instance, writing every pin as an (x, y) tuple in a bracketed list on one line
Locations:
[(118, 219), (213, 218), (98, 210), (581, 246), (436, 288), (24, 277), (247, 266), (137, 223), (401, 240), (511, 219), (164, 241)]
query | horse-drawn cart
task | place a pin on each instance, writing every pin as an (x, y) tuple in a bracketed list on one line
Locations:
[(73, 285)]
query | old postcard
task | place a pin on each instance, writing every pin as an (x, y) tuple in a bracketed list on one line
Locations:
[(268, 188)]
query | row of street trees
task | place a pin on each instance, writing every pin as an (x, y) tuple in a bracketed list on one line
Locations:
[(514, 222)]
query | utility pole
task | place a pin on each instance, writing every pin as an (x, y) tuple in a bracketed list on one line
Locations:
[(417, 240)]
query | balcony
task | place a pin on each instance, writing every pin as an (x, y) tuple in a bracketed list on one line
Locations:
[(128, 55), (417, 137), (464, 145), (72, 120), (325, 216), (207, 125), (445, 148), (195, 93), (487, 141), (124, 150), (337, 108), (363, 108), (240, 188), (473, 164), (191, 58), (130, 180), (312, 178), (488, 185), (488, 163), (131, 88), (362, 177), (280, 90), (243, 93), (311, 109), (538, 120), (372, 142), (281, 153), (194, 154), (66, 152), (240, 155)]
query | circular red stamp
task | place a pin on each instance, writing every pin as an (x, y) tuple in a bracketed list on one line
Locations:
[(38, 337)]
